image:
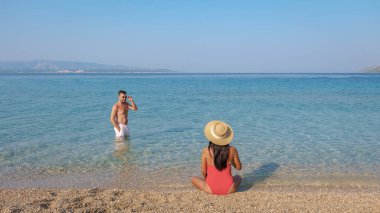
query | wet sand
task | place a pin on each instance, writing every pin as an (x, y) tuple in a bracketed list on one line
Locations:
[(265, 199)]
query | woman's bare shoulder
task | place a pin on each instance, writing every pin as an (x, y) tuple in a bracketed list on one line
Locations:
[(205, 150), (233, 149)]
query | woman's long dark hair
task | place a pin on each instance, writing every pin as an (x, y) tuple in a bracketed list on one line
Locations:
[(220, 155)]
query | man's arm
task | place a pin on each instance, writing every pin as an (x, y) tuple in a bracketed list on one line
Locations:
[(133, 106), (112, 118)]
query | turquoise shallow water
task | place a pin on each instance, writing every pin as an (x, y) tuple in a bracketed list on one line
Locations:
[(288, 127)]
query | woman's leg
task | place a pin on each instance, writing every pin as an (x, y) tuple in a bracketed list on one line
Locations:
[(235, 185), (201, 184)]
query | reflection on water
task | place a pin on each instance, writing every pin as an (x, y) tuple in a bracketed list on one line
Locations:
[(121, 148)]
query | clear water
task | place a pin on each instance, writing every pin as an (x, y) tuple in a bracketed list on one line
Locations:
[(311, 129)]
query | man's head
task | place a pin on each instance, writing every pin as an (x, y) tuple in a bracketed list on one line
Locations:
[(122, 96)]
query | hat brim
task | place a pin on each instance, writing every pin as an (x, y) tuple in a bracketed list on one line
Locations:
[(218, 141)]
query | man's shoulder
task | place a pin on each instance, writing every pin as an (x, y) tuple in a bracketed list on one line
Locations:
[(115, 106), (126, 105)]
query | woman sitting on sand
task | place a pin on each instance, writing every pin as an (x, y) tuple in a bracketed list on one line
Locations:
[(216, 161)]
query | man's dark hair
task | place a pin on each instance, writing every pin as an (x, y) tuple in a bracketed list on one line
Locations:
[(121, 91)]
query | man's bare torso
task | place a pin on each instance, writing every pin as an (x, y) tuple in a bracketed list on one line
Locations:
[(122, 113)]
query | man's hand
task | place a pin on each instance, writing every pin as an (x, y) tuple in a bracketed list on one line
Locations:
[(131, 106), (118, 128)]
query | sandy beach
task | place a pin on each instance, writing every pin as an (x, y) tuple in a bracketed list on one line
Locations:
[(268, 199)]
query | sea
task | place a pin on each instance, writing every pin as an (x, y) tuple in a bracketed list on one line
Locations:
[(301, 130)]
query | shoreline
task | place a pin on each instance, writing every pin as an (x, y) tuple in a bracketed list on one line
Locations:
[(257, 199), (128, 178), (134, 178)]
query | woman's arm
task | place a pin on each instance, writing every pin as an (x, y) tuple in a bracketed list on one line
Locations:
[(204, 163), (235, 161)]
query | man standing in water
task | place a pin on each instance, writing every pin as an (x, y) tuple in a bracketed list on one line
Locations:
[(119, 114)]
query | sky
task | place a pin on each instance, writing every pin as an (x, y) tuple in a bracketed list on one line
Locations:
[(196, 35)]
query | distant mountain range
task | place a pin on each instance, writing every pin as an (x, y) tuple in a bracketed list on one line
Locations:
[(45, 66), (373, 69)]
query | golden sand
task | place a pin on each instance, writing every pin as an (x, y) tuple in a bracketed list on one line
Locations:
[(274, 199)]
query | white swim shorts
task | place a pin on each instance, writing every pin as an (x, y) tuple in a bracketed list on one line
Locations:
[(124, 131)]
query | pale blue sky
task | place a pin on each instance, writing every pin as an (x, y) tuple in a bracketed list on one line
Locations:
[(196, 36)]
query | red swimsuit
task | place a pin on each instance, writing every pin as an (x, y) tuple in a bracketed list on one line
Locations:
[(220, 182)]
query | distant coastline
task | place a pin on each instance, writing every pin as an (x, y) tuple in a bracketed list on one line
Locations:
[(373, 69), (71, 67)]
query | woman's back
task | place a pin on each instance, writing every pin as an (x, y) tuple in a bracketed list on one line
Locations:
[(233, 158), (219, 181), (216, 161)]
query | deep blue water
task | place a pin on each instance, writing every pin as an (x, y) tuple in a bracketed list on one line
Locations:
[(304, 123)]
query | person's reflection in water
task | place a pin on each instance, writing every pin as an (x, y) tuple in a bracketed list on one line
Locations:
[(121, 151), (121, 147)]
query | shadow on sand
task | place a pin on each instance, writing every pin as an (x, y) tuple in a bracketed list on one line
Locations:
[(258, 175)]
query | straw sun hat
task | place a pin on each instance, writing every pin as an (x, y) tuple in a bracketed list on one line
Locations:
[(219, 132)]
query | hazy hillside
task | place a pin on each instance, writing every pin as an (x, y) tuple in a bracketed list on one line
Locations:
[(43, 66), (373, 69)]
